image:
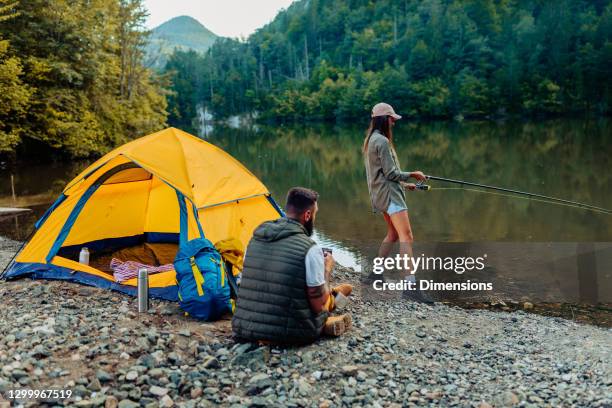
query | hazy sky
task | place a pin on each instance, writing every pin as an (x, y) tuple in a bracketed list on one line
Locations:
[(228, 18)]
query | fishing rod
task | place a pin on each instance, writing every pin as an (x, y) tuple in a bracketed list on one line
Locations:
[(421, 186)]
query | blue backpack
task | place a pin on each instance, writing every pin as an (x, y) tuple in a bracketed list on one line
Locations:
[(203, 287)]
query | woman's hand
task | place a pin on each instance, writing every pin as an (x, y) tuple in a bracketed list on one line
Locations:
[(418, 175), (409, 186)]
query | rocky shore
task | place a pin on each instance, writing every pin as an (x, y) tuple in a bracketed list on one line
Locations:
[(63, 336)]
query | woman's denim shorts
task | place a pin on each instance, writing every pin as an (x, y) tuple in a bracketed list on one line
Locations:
[(395, 208)]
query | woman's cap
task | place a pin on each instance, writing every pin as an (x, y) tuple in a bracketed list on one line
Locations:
[(384, 109)]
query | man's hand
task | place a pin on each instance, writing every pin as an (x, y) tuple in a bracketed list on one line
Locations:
[(418, 175), (329, 262)]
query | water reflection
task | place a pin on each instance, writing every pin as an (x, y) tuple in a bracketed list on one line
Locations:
[(564, 158), (570, 159)]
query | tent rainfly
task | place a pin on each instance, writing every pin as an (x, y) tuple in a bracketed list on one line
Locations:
[(129, 197)]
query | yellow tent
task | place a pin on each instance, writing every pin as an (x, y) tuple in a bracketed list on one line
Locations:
[(129, 197)]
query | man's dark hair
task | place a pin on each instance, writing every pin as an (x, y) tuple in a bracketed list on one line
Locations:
[(300, 199)]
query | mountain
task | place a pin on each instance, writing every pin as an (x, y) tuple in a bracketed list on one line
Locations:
[(183, 32)]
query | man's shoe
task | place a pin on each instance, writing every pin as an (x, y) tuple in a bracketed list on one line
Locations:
[(337, 325), (418, 296), (345, 288), (348, 322)]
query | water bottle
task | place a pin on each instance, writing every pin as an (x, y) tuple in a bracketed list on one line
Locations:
[(340, 301), (84, 256), (143, 290)]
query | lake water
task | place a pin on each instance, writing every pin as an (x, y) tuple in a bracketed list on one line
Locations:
[(570, 159)]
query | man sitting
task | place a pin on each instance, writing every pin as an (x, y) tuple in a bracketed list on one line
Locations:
[(284, 294)]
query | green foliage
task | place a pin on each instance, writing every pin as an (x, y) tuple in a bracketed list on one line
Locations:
[(14, 95), (323, 60), (78, 67), (14, 99)]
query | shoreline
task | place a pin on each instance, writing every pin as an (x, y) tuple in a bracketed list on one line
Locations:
[(63, 335), (592, 314)]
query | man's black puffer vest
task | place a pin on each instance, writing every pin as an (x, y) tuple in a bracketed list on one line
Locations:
[(272, 301)]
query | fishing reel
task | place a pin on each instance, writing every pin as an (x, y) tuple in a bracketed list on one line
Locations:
[(420, 185)]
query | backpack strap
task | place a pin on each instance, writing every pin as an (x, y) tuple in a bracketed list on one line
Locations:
[(231, 279), (196, 215), (184, 220)]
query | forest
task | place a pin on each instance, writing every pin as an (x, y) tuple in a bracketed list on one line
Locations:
[(72, 79), (332, 60)]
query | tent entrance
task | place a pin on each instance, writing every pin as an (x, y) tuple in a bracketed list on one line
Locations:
[(147, 253), (126, 214)]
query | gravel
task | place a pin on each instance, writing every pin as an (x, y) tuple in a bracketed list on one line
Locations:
[(62, 335)]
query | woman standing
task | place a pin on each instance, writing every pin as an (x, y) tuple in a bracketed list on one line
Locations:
[(386, 183)]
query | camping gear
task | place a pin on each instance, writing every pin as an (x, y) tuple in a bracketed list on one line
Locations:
[(143, 290), (200, 273), (84, 256), (128, 197), (524, 193), (123, 271), (340, 301), (232, 252)]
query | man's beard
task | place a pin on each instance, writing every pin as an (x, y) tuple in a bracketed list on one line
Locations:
[(309, 225)]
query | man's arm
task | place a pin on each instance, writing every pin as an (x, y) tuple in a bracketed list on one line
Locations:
[(318, 274)]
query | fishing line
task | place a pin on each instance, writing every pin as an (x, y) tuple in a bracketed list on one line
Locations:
[(519, 198), (533, 196)]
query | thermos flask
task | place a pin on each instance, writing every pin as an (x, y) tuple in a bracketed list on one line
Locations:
[(143, 290)]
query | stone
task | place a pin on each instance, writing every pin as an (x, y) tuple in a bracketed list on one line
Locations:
[(259, 377), (95, 385), (349, 370), (131, 375), (111, 402), (156, 373), (166, 402), (104, 376), (506, 399), (527, 306), (325, 404), (158, 391), (174, 358), (211, 362), (126, 403), (254, 360), (196, 392), (304, 388), (433, 395)]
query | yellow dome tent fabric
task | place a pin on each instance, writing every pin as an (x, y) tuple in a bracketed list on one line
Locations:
[(129, 197)]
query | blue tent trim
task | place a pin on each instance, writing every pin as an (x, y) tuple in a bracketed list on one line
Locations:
[(74, 214), (56, 204), (54, 272), (275, 205)]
